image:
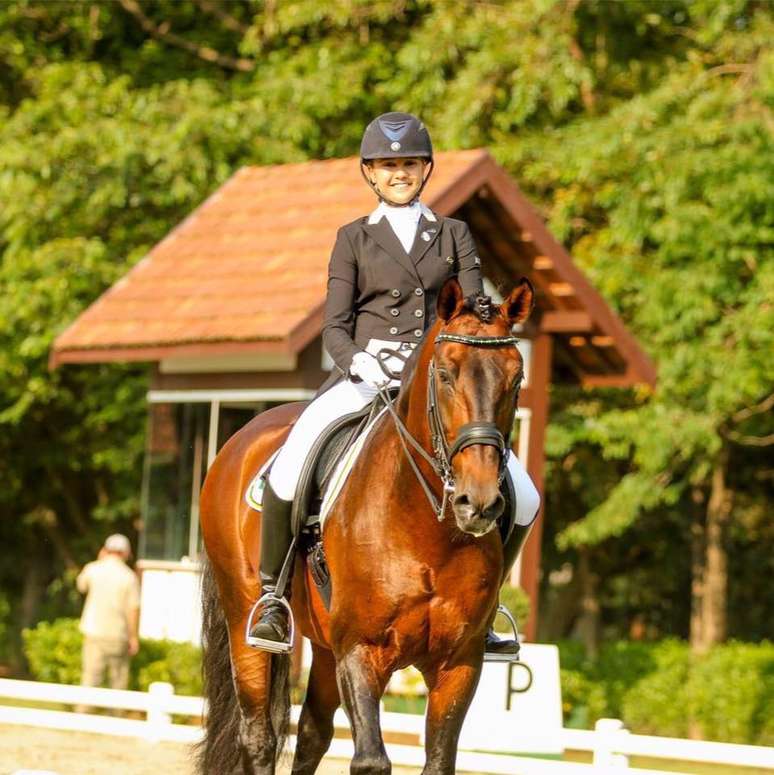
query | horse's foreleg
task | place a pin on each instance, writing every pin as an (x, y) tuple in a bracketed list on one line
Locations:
[(361, 684), (315, 727), (451, 690)]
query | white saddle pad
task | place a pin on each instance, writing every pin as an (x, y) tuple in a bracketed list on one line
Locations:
[(254, 492)]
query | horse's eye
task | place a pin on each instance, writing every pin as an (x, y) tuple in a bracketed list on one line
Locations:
[(445, 377)]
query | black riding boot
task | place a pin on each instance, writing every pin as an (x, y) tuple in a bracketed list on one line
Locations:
[(507, 649), (270, 632)]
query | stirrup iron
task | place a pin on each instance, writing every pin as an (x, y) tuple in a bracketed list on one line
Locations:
[(272, 646), (501, 609)]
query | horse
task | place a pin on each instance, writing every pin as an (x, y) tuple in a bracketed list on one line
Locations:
[(411, 584)]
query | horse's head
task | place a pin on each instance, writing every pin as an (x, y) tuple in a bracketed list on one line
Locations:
[(475, 374)]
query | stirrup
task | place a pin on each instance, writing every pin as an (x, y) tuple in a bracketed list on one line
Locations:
[(272, 646), (501, 609)]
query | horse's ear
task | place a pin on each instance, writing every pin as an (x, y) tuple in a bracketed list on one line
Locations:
[(516, 308), (450, 299)]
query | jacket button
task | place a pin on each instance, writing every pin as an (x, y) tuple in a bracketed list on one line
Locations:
[(418, 313), (394, 330), (394, 312), (418, 332), (395, 292), (418, 291), (449, 259)]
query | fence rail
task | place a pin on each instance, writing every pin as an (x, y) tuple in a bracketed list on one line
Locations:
[(610, 743)]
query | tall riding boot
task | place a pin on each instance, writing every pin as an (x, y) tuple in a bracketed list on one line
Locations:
[(270, 632), (507, 649)]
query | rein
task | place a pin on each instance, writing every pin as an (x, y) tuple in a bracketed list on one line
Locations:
[(483, 432)]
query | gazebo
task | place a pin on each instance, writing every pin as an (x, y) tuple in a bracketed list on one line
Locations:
[(227, 311)]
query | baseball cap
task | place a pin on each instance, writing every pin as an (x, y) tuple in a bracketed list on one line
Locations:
[(118, 543)]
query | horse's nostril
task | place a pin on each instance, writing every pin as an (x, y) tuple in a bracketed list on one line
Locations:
[(495, 508), (461, 500)]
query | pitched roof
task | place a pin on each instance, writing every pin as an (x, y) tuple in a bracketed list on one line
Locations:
[(247, 270)]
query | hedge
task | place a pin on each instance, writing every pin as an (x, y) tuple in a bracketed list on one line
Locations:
[(53, 652), (656, 688), (663, 689)]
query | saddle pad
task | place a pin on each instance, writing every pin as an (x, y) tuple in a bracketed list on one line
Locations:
[(254, 492), (343, 467)]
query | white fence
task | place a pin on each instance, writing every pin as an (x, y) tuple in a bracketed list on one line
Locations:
[(610, 744)]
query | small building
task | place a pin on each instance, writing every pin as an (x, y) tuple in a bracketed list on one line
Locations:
[(227, 311)]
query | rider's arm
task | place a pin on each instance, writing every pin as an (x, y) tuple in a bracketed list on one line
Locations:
[(339, 325), (468, 262), (82, 582)]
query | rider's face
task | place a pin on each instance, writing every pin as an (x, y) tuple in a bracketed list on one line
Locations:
[(398, 180)]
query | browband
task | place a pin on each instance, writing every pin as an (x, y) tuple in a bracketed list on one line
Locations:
[(477, 341)]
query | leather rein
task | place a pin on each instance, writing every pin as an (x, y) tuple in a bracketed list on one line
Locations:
[(481, 432)]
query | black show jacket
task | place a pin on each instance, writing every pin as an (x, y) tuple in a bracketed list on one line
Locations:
[(378, 291)]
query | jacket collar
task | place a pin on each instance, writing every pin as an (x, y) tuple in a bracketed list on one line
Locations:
[(381, 211), (378, 227)]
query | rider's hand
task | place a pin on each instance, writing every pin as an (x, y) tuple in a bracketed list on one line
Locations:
[(368, 369)]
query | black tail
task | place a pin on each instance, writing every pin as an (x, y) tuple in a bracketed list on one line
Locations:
[(220, 750)]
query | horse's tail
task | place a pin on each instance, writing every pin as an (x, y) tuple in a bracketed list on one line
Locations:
[(280, 699), (220, 748)]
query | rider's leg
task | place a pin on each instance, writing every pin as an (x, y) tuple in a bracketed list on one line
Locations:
[(527, 505), (276, 530)]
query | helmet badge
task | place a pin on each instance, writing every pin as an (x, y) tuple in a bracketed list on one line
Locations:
[(395, 146), (395, 129)]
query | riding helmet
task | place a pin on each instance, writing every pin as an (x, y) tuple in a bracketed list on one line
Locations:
[(396, 136)]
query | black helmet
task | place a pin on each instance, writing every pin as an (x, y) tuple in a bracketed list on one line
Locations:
[(396, 136)]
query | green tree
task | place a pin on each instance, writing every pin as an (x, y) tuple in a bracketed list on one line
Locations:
[(642, 129)]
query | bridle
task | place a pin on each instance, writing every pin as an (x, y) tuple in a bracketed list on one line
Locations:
[(477, 432)]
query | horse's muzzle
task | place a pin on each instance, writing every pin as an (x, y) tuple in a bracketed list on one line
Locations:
[(476, 514)]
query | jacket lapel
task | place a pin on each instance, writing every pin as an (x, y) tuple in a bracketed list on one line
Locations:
[(431, 230), (384, 236)]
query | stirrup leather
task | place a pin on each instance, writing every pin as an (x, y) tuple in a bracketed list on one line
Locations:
[(491, 657), (272, 646)]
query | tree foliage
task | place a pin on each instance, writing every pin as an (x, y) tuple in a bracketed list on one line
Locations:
[(643, 130)]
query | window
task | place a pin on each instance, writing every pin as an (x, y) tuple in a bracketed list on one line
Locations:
[(185, 432)]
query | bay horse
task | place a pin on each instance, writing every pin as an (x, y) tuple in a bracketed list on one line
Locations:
[(409, 586)]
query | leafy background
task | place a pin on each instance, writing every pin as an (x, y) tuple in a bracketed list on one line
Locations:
[(642, 131)]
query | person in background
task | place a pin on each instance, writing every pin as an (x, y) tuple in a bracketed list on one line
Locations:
[(111, 614)]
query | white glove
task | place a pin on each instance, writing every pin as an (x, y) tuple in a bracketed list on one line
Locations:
[(368, 369)]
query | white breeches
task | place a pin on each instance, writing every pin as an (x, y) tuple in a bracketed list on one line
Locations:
[(343, 398)]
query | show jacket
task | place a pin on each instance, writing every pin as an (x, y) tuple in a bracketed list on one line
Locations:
[(378, 291)]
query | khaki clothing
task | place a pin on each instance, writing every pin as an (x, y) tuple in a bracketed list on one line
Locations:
[(103, 654), (112, 592)]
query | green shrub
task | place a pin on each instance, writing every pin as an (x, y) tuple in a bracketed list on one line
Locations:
[(515, 599), (729, 689), (657, 703), (621, 664), (53, 652), (583, 701), (163, 660)]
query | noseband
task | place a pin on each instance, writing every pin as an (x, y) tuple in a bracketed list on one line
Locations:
[(472, 433)]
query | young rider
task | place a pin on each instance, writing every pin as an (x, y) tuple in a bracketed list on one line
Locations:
[(385, 273)]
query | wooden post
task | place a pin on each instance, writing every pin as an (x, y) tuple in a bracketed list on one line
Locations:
[(540, 379)]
